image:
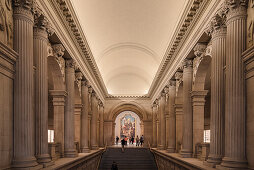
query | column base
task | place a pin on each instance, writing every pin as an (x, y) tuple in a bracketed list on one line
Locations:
[(161, 147), (95, 147), (26, 164), (186, 153), (70, 153), (171, 150), (232, 164), (85, 150), (212, 161), (44, 160)]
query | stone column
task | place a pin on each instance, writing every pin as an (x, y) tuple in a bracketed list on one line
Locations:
[(23, 146), (162, 132), (58, 100), (94, 119), (187, 110), (84, 117), (40, 40), (155, 109), (157, 131), (179, 126), (218, 33), (141, 128), (172, 117), (198, 103), (101, 137), (69, 147), (235, 150)]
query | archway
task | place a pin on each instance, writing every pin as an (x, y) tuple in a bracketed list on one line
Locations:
[(128, 124)]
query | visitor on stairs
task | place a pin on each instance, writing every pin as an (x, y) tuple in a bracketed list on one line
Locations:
[(114, 166), (123, 143), (117, 139), (141, 140), (137, 141)]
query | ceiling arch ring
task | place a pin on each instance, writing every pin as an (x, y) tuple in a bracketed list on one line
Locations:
[(127, 106), (135, 46)]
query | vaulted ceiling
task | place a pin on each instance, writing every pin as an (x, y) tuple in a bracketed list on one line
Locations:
[(128, 39)]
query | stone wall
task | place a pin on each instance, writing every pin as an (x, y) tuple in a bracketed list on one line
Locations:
[(7, 62)]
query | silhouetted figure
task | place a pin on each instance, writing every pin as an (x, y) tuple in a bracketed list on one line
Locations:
[(132, 140), (114, 166), (137, 141), (117, 139), (141, 140), (123, 143)]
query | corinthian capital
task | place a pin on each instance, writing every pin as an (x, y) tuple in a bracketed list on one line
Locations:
[(199, 49), (27, 4), (236, 8), (172, 83), (187, 63), (178, 75), (58, 50), (41, 22), (70, 63)]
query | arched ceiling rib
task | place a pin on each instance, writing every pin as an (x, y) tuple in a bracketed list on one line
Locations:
[(128, 39)]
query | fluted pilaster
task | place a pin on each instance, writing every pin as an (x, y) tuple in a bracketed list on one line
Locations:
[(69, 148), (84, 117), (23, 148), (218, 32), (172, 117), (187, 109), (58, 100), (235, 155)]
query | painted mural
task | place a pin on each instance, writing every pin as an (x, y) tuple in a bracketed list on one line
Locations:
[(127, 126)]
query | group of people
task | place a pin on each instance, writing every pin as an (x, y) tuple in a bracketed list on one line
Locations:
[(139, 141)]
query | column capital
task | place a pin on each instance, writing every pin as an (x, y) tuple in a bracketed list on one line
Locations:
[(198, 97), (70, 63), (187, 63), (25, 8), (217, 27), (178, 75), (236, 9), (58, 50), (171, 83), (42, 24), (199, 49)]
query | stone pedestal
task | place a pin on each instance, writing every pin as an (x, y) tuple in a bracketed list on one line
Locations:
[(187, 145), (58, 100), (84, 117), (217, 91), (41, 90), (69, 148), (172, 118), (24, 145), (235, 113), (198, 103)]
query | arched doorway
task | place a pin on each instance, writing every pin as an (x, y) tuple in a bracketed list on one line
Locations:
[(128, 124)]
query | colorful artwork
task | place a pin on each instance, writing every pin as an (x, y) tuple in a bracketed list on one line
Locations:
[(127, 126)]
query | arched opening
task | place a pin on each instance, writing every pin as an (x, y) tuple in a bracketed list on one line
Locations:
[(128, 124)]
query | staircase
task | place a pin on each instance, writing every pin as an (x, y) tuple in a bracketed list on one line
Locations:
[(131, 159)]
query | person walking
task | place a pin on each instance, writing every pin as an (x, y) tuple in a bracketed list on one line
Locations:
[(123, 143), (132, 140), (114, 166), (117, 139), (125, 139), (141, 140), (137, 141)]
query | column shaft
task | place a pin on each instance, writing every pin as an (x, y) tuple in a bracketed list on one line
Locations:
[(41, 94), (94, 119), (23, 148), (101, 137), (217, 96), (187, 110), (172, 118), (235, 155), (84, 118), (162, 132), (69, 148), (154, 125)]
